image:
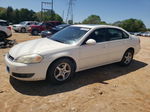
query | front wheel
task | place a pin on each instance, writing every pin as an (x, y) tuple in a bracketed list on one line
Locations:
[(61, 71), (23, 30), (127, 58), (35, 32)]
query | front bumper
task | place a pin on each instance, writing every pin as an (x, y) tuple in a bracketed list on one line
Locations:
[(16, 28), (26, 72)]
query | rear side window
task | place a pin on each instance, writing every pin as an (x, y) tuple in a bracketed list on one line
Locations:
[(4, 24), (116, 34), (29, 23), (125, 35)]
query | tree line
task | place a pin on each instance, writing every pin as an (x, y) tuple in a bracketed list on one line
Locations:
[(131, 25), (18, 15)]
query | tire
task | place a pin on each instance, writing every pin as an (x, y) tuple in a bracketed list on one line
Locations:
[(127, 58), (60, 71), (35, 32), (16, 31), (23, 30), (2, 36)]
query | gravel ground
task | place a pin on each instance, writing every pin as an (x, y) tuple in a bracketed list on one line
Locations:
[(109, 88)]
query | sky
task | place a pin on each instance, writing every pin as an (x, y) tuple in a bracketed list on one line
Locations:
[(109, 10)]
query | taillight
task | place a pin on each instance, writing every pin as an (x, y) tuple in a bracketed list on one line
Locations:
[(9, 27)]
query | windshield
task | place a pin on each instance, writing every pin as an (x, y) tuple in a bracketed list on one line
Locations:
[(62, 26), (39, 24), (23, 23), (70, 35)]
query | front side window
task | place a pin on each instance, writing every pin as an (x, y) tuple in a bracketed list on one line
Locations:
[(4, 24), (98, 35), (40, 24), (70, 35), (23, 23), (28, 23), (125, 35)]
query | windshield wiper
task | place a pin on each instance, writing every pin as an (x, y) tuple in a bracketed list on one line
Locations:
[(58, 41)]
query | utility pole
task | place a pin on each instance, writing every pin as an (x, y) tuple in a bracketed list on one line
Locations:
[(52, 5), (63, 14), (45, 6), (70, 11)]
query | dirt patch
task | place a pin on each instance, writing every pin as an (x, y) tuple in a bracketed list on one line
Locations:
[(108, 88)]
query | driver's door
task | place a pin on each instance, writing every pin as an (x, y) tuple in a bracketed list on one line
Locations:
[(94, 55)]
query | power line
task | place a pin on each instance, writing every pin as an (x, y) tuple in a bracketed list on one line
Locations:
[(70, 11)]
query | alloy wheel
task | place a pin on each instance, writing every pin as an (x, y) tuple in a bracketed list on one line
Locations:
[(128, 57), (62, 71)]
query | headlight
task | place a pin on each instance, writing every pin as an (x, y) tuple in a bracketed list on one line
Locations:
[(49, 32), (29, 59)]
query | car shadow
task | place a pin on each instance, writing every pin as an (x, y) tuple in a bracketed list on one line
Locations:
[(84, 78)]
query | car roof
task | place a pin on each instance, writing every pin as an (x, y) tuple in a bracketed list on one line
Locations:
[(96, 26), (2, 20), (53, 21)]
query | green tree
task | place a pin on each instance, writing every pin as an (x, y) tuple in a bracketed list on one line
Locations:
[(19, 15), (16, 16), (70, 22), (77, 23), (148, 29), (10, 14), (48, 16), (3, 13), (103, 23), (93, 19), (26, 15), (131, 25)]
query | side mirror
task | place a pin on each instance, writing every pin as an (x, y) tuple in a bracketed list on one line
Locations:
[(90, 42)]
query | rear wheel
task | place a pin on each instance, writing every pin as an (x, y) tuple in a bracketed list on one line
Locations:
[(16, 31), (23, 30), (60, 71), (2, 36), (127, 58)]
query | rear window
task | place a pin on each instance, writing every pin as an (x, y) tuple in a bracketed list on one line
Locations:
[(4, 24)]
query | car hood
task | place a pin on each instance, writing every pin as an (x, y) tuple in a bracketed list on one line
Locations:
[(37, 46), (35, 26)]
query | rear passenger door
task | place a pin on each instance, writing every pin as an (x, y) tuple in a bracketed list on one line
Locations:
[(117, 40)]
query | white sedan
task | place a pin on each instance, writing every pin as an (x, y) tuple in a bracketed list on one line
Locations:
[(75, 48)]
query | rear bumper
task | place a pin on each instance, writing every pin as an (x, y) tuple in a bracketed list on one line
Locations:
[(137, 49)]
